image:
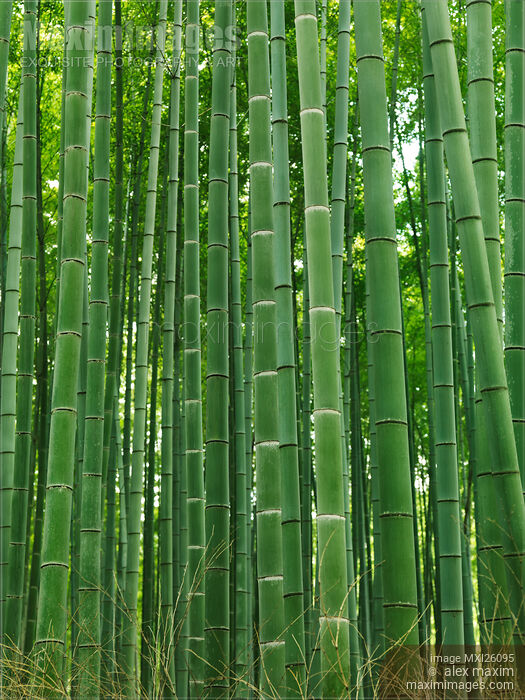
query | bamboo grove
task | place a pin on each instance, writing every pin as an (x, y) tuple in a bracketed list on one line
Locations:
[(262, 398)]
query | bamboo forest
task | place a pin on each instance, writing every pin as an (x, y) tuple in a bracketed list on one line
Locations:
[(262, 341)]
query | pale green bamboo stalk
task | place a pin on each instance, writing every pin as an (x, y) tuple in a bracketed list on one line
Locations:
[(267, 458), (448, 525), (333, 619)]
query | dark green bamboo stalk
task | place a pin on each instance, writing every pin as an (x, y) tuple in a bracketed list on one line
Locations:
[(248, 442), (515, 220), (291, 501), (167, 683), (6, 9), (306, 467), (90, 515), (182, 628), (267, 459), (395, 70), (147, 641), (192, 463), (480, 300), (326, 379), (242, 512), (141, 372), (52, 617), (384, 315)]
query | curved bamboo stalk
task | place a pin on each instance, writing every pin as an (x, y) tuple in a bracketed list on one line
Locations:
[(447, 485), (480, 300)]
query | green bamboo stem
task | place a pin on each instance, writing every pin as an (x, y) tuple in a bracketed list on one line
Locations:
[(306, 467), (132, 306), (482, 127), (217, 576), (192, 464), (114, 321), (107, 632), (78, 469), (182, 629), (122, 556), (515, 220), (248, 442), (288, 447), (242, 512), (6, 9), (331, 526), (378, 635), (90, 515), (147, 641), (337, 221), (24, 385), (52, 617), (447, 485), (395, 71), (396, 509), (480, 300), (9, 355), (167, 683), (267, 457), (141, 370)]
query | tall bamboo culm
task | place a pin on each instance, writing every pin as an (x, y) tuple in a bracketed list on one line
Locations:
[(91, 489), (167, 619), (242, 503), (52, 607), (217, 369), (384, 317), (25, 370), (515, 220), (289, 454), (129, 640), (9, 356), (480, 301), (447, 484), (265, 380), (333, 620)]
